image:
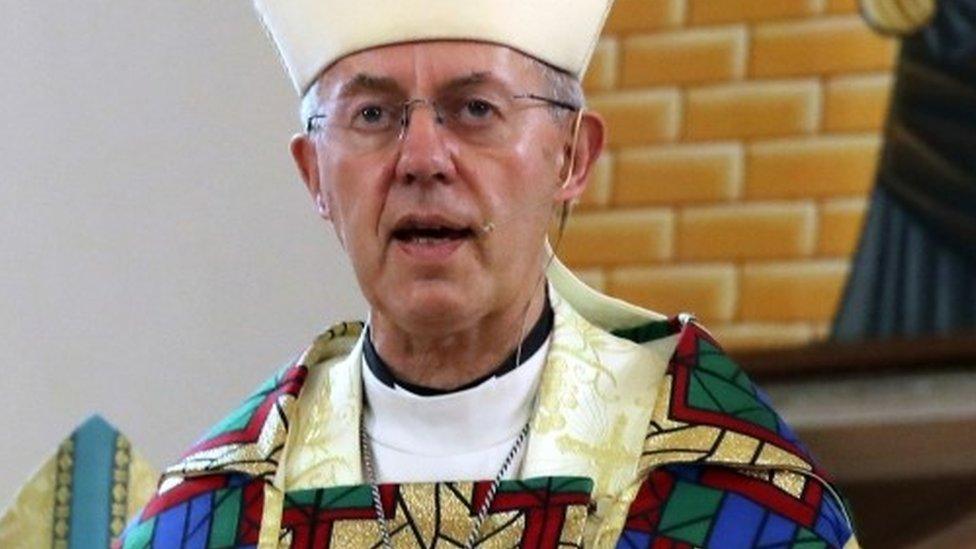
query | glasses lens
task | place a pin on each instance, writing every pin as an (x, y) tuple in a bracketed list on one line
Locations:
[(360, 124), (480, 118)]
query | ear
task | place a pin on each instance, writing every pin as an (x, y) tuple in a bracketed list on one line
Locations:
[(581, 156), (303, 152)]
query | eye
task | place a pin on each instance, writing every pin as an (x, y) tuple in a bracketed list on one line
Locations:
[(372, 117), (371, 113), (478, 108), (474, 111)]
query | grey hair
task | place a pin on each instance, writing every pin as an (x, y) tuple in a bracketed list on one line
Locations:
[(560, 85), (311, 103)]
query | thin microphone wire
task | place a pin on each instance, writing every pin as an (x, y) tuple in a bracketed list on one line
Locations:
[(490, 225), (564, 214)]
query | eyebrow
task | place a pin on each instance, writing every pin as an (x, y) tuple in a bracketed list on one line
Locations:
[(470, 80), (368, 82)]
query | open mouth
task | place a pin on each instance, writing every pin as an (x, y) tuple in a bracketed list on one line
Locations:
[(430, 234)]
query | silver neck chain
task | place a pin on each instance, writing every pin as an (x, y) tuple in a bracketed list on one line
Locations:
[(479, 520), (367, 456)]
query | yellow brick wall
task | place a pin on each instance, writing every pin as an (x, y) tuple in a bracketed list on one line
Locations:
[(743, 141)]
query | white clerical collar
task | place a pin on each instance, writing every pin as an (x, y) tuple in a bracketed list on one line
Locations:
[(465, 421)]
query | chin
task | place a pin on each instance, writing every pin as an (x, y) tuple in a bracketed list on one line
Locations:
[(436, 305)]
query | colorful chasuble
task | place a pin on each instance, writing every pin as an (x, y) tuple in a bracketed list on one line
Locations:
[(644, 435), (83, 495)]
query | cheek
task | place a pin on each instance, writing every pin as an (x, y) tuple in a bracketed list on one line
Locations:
[(531, 164), (356, 192), (540, 158)]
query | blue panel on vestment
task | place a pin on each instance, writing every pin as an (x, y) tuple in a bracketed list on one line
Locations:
[(687, 472), (91, 478), (198, 525), (170, 526), (831, 525), (736, 524), (633, 539), (777, 530)]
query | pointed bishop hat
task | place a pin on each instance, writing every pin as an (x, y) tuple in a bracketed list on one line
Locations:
[(311, 35)]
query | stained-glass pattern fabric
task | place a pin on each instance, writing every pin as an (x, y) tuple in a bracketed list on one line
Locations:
[(250, 439), (717, 507), (209, 512), (709, 411), (724, 469), (534, 513)]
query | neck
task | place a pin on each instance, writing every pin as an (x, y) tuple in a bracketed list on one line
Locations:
[(456, 358)]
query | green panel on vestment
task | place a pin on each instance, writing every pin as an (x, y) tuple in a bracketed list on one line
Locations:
[(550, 484), (805, 539), (718, 385), (239, 418), (712, 358), (339, 497), (349, 497), (760, 416), (226, 514), (141, 536), (572, 484), (645, 332), (303, 498), (689, 511)]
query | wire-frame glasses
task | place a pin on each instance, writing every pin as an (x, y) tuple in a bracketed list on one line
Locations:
[(483, 120)]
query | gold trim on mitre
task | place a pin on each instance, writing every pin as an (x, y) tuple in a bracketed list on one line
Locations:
[(311, 35)]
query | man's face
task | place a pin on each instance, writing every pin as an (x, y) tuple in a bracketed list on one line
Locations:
[(411, 213)]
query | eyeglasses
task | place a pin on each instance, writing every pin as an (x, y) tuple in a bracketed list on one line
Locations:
[(478, 119)]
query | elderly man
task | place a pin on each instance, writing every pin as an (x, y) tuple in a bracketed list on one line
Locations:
[(490, 399)]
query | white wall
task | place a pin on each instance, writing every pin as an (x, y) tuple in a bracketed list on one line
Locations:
[(158, 255)]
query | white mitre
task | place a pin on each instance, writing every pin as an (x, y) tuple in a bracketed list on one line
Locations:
[(311, 35)]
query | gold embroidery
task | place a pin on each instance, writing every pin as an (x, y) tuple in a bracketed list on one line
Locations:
[(358, 533), (575, 526), (595, 404), (120, 484), (671, 441), (62, 494), (324, 441), (776, 457), (441, 514), (257, 459), (608, 460), (736, 448), (789, 482)]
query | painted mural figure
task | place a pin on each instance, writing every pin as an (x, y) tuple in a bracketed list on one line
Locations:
[(915, 270)]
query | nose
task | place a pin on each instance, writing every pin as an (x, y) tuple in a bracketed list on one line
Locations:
[(425, 155)]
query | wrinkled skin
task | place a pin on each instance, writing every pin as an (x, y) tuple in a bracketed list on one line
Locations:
[(441, 319)]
